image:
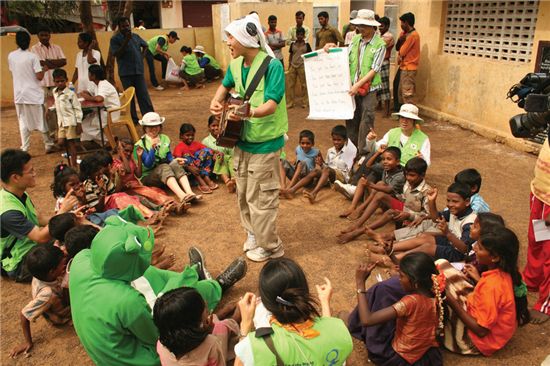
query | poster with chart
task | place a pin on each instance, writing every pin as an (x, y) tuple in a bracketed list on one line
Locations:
[(328, 83)]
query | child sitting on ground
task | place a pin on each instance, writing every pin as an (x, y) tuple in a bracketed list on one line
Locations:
[(472, 178), (67, 186), (490, 311), (452, 241), (197, 158), (411, 209), (384, 192), (127, 170), (189, 334), (101, 191), (223, 155), (337, 166), (154, 158), (418, 315), (46, 263), (69, 115), (304, 164)]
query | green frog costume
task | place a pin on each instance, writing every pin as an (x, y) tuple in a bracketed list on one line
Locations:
[(111, 317)]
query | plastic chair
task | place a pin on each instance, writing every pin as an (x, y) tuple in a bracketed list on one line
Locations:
[(125, 118)]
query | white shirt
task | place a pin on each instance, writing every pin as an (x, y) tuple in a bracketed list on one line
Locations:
[(110, 98), (425, 149), (82, 65), (26, 87), (342, 160)]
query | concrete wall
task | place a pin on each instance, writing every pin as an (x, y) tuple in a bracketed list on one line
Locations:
[(188, 36), (464, 89), (285, 18), (172, 17)]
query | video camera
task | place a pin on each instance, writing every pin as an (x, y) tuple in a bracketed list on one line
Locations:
[(533, 95)]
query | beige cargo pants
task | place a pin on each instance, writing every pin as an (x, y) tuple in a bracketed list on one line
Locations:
[(258, 195)]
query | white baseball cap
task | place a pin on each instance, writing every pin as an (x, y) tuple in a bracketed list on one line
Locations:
[(408, 111), (151, 119)]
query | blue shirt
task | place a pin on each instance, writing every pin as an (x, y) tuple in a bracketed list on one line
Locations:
[(478, 204), (130, 61), (307, 158)]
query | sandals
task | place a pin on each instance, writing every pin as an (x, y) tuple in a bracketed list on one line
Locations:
[(205, 189)]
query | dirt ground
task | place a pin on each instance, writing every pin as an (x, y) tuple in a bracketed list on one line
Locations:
[(308, 231)]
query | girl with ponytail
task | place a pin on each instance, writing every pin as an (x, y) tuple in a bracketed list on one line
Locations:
[(415, 319), (498, 302), (289, 328)]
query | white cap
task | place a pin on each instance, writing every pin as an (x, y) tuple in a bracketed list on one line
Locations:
[(151, 119), (408, 111), (365, 17)]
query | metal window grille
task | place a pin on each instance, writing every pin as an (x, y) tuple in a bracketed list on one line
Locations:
[(496, 30)]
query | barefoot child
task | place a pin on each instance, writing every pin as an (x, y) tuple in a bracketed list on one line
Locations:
[(337, 166), (69, 115), (305, 161), (384, 192), (223, 166), (452, 241), (154, 158), (153, 197), (189, 334), (414, 210), (410, 321), (196, 158), (498, 303), (46, 263)]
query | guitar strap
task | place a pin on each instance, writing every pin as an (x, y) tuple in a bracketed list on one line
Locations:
[(257, 77)]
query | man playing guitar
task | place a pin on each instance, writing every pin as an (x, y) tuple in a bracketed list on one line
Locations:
[(256, 157)]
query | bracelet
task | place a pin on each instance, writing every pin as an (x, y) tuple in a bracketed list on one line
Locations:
[(361, 291)]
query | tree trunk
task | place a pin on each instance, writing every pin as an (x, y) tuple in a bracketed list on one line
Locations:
[(87, 21)]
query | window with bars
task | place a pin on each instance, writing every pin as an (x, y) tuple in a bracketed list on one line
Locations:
[(496, 30)]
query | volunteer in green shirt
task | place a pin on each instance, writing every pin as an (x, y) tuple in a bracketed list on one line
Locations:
[(157, 49), (366, 55), (256, 156), (288, 316), (22, 226), (191, 72), (212, 69)]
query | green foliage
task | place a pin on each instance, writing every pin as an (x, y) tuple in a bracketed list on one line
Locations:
[(49, 12)]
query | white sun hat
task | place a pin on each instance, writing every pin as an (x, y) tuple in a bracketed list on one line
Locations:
[(365, 17), (199, 48), (408, 111), (151, 119)]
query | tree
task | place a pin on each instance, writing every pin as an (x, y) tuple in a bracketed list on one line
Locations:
[(50, 12)]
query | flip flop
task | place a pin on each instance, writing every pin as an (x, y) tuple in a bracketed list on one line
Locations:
[(205, 191), (213, 187)]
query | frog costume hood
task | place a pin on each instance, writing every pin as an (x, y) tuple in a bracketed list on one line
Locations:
[(122, 250)]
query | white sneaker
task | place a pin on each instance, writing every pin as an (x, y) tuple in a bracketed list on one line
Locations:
[(250, 243), (348, 190), (260, 254), (159, 88)]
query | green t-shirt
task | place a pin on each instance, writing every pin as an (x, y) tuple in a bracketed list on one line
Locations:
[(274, 90), (191, 66), (210, 141)]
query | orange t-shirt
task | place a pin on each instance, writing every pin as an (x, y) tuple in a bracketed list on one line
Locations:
[(410, 52), (493, 306), (415, 326)]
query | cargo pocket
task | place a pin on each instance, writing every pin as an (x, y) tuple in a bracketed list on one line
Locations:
[(269, 195)]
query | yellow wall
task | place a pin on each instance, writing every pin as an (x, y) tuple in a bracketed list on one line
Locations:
[(172, 17), (464, 87), (188, 36)]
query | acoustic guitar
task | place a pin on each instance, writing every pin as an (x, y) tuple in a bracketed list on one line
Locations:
[(230, 130)]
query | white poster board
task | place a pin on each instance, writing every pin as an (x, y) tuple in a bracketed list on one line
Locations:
[(328, 84)]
